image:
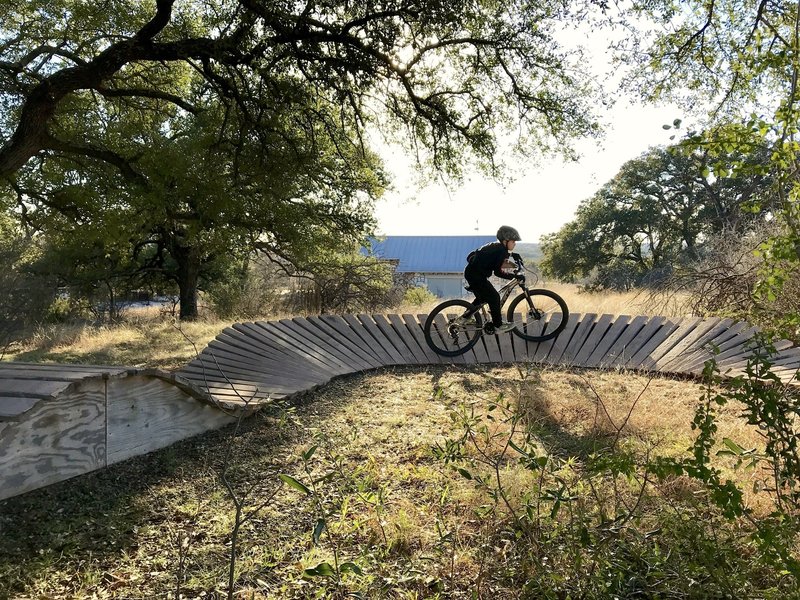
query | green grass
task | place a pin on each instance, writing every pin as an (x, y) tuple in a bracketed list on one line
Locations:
[(408, 520)]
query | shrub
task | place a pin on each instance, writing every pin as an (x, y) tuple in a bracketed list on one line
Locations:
[(418, 296)]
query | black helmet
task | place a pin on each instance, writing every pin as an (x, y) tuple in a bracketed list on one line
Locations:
[(508, 233)]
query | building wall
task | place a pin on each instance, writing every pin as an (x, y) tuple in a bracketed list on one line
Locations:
[(444, 286)]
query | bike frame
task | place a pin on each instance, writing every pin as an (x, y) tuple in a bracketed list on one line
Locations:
[(505, 293)]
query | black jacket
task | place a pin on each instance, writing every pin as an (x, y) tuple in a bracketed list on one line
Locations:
[(487, 259)]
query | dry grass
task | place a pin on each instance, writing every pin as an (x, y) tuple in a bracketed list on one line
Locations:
[(145, 342), (607, 302)]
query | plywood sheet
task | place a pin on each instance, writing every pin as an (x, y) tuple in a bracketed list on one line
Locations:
[(54, 441)]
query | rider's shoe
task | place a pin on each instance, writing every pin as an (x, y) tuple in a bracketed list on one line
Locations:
[(504, 327), (461, 321)]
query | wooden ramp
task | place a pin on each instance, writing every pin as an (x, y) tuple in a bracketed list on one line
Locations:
[(59, 421), (249, 363)]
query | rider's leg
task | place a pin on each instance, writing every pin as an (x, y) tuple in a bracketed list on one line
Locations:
[(484, 292)]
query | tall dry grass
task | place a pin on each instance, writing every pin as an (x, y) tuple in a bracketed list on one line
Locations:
[(607, 302)]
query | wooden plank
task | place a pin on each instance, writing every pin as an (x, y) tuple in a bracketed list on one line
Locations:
[(297, 365), (369, 340), (274, 344), (737, 335), (787, 356), (598, 334), (54, 374), (393, 335), (439, 328), (563, 340), (722, 331), (145, 414), (323, 347), (268, 376), (14, 408), (260, 343), (618, 326), (245, 392), (661, 336), (788, 376), (336, 345), (413, 344), (621, 350), (246, 352), (414, 328), (525, 350), (373, 329), (79, 370), (491, 346), (685, 327), (294, 336), (582, 333), (356, 342), (279, 335), (32, 388), (635, 336), (686, 346), (741, 359), (506, 346), (277, 383), (347, 338), (544, 348)]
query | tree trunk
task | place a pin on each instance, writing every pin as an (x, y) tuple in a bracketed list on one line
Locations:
[(187, 276)]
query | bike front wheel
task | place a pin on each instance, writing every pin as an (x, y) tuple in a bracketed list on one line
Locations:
[(538, 315), (447, 334)]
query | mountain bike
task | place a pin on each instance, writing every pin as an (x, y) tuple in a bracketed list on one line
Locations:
[(455, 326)]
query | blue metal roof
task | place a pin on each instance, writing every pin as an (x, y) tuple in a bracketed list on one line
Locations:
[(428, 253)]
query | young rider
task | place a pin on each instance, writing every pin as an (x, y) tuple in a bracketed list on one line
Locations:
[(484, 262)]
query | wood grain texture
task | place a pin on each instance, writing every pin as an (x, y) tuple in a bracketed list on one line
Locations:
[(145, 414), (56, 440)]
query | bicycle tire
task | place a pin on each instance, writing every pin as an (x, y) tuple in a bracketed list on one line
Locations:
[(536, 325), (445, 337)]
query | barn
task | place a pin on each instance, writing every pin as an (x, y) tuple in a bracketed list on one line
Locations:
[(435, 262)]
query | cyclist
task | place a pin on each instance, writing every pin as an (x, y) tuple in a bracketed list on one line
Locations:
[(484, 262)]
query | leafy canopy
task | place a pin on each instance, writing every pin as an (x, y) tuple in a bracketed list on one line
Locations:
[(452, 75), (656, 213)]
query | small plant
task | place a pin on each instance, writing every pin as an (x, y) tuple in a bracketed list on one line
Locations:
[(325, 484), (773, 408), (418, 296)]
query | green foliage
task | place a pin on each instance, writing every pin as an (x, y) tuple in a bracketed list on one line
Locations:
[(344, 280), (654, 215), (418, 296), (592, 523), (454, 77), (743, 56), (25, 298), (772, 407)]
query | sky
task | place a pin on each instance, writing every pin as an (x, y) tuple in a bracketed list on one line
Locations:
[(542, 199)]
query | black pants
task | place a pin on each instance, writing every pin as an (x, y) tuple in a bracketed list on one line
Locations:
[(484, 292)]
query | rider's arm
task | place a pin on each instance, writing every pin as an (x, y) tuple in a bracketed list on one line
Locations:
[(498, 270)]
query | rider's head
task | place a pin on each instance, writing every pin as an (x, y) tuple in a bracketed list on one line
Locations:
[(508, 234)]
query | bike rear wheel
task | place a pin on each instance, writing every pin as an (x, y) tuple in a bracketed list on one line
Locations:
[(448, 337), (540, 320)]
